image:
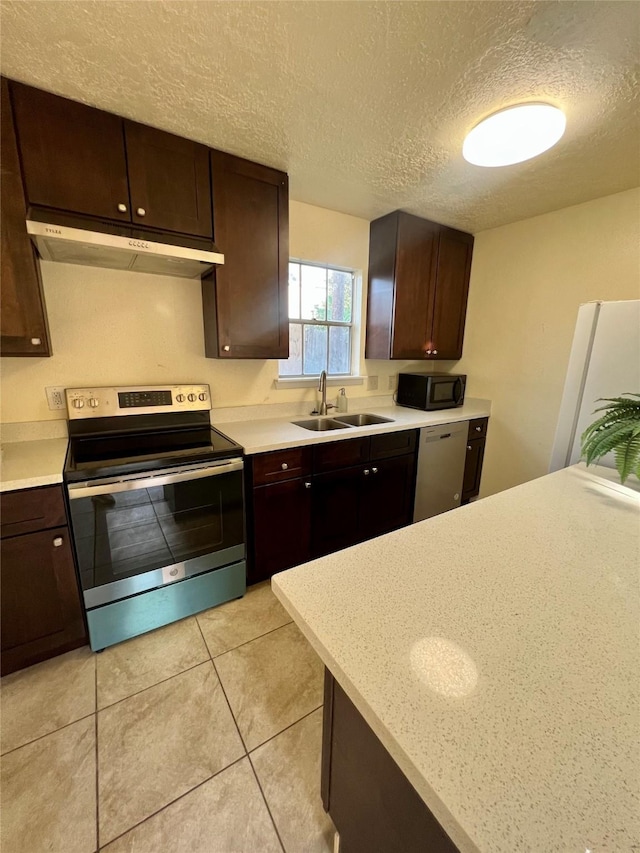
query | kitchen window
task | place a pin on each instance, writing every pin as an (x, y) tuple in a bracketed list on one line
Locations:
[(320, 320)]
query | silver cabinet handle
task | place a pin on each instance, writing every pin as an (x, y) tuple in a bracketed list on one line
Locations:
[(141, 211), (36, 342), (428, 352), (226, 347), (307, 485), (284, 466), (435, 352), (478, 429), (469, 447), (374, 470), (57, 542), (122, 208), (366, 472)]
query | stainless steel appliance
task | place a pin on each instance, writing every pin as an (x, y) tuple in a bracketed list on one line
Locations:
[(441, 459), (431, 391), (156, 507), (72, 240)]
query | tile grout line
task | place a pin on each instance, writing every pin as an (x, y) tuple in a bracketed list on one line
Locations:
[(266, 803), (171, 802), (47, 734), (286, 728), (245, 642), (155, 684)]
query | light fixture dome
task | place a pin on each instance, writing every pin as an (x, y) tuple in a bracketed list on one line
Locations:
[(514, 134)]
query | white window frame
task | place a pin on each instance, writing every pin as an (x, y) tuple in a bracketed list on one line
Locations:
[(352, 378)]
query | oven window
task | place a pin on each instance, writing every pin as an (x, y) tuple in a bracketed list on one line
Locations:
[(443, 391), (122, 534)]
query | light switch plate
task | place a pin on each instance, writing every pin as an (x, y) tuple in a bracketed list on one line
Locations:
[(372, 383), (55, 397)]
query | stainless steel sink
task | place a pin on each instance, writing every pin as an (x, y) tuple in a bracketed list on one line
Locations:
[(362, 419), (321, 425)]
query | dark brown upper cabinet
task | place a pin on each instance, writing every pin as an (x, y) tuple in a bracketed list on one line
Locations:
[(23, 320), (418, 285), (246, 301), (73, 156), (169, 181), (79, 159)]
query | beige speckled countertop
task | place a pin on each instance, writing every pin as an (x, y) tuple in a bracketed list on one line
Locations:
[(259, 436), (26, 464), (494, 651)]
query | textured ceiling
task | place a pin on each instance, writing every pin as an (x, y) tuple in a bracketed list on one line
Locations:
[(365, 104)]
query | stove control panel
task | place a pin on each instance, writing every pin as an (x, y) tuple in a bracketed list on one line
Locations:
[(136, 400)]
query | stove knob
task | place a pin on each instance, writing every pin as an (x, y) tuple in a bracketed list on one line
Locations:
[(180, 398), (191, 398), (93, 402), (202, 396), (78, 403)]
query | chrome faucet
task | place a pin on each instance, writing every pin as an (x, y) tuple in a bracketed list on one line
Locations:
[(322, 388)]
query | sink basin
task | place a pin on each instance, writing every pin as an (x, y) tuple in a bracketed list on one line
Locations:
[(321, 425), (362, 420)]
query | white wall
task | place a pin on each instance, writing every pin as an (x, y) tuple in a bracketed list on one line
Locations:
[(118, 328), (527, 281)]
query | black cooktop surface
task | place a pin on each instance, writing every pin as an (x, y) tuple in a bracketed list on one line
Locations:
[(104, 455)]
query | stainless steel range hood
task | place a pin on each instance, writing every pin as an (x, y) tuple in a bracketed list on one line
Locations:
[(98, 249)]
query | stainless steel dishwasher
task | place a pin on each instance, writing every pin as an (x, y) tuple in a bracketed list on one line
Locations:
[(441, 458)]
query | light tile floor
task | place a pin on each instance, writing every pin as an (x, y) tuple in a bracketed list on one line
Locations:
[(202, 737)]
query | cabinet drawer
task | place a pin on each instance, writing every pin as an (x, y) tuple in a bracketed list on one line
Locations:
[(393, 444), (478, 427), (340, 454), (32, 509), (281, 465)]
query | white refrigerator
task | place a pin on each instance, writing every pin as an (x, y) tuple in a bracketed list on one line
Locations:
[(604, 362)]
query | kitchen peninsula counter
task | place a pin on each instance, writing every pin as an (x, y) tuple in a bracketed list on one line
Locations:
[(492, 650)]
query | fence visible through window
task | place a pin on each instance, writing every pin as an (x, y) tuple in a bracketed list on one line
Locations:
[(320, 320)]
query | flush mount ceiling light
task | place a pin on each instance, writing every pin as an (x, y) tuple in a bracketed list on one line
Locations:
[(514, 134)]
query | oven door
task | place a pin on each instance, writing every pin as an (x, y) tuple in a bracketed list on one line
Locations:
[(134, 533)]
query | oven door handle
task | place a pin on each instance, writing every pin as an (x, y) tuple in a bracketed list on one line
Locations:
[(110, 487)]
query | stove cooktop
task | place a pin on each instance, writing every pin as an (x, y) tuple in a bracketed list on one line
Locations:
[(95, 456)]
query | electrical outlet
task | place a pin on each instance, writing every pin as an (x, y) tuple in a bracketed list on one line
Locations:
[(392, 382), (372, 383), (55, 397)]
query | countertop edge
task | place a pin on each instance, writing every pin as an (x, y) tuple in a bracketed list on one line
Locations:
[(440, 811)]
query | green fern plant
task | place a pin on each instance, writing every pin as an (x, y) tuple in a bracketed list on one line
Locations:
[(618, 430)]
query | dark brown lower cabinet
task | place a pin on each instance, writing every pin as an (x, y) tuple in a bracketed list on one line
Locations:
[(281, 529), (475, 456), (369, 799), (350, 491), (40, 601)]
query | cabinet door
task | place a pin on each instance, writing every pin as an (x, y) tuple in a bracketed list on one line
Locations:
[(169, 181), (245, 301), (387, 496), (41, 612), (23, 320), (73, 156), (473, 468), (451, 291), (414, 292), (335, 510), (281, 527)]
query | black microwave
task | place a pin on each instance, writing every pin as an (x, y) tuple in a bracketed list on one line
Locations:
[(430, 391)]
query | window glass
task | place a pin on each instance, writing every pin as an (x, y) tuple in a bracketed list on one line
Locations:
[(320, 320)]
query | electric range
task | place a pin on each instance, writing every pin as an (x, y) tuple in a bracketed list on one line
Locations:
[(156, 507)]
